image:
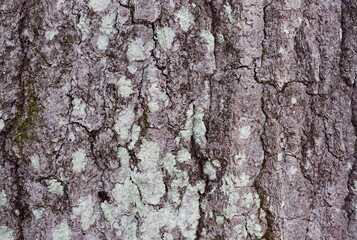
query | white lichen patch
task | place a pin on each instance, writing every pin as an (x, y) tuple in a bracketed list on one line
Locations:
[(83, 26), (244, 132), (139, 50), (79, 107), (62, 232), (216, 163), (150, 178), (108, 22), (169, 163), (165, 37), (85, 209), (79, 160), (254, 228), (2, 198), (280, 157), (124, 122), (98, 5), (220, 38), (199, 128), (209, 170), (209, 39), (126, 196), (132, 69), (50, 34), (135, 134), (125, 88), (110, 212), (157, 95), (102, 42), (240, 231), (55, 187), (35, 161), (219, 220), (183, 155), (6, 233), (189, 214), (168, 236), (292, 170), (37, 213), (293, 100), (349, 166), (185, 18), (229, 11)]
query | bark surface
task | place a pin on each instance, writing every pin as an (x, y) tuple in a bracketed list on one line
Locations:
[(178, 119)]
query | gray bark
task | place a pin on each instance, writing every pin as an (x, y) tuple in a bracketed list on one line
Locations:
[(144, 119)]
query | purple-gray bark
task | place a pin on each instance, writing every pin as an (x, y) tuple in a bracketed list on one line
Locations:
[(144, 119)]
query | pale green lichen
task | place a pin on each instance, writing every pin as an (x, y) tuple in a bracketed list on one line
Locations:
[(254, 228), (150, 178), (99, 5), (220, 38), (216, 163), (6, 233), (169, 163), (209, 39), (126, 196), (168, 236), (37, 213), (55, 187), (124, 122), (240, 231), (108, 22), (219, 220), (157, 95), (280, 157), (51, 34), (102, 42), (209, 170), (125, 88), (292, 170), (139, 50), (135, 134), (165, 37), (293, 100), (110, 212), (85, 209), (79, 160), (183, 155), (83, 26), (35, 161), (185, 18), (199, 128), (62, 232), (229, 11), (244, 132), (2, 198), (79, 107), (132, 69)]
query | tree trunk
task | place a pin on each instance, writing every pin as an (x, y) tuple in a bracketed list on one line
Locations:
[(147, 119)]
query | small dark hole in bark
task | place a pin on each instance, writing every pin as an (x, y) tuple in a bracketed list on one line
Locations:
[(103, 196)]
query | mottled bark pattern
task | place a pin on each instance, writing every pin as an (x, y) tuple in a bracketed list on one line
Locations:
[(178, 119)]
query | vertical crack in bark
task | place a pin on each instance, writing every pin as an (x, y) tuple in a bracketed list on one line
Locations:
[(21, 211), (269, 232)]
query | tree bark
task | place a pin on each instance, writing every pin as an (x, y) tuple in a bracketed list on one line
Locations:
[(144, 119)]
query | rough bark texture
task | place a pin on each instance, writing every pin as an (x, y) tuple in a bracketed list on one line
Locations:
[(177, 119)]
